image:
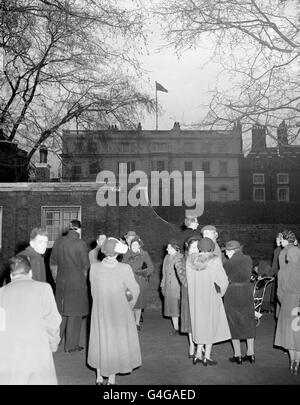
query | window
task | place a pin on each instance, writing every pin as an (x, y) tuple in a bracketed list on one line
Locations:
[(206, 167), (188, 166), (92, 146), (79, 144), (188, 147), (160, 165), (159, 147), (223, 194), (258, 178), (94, 168), (282, 178), (1, 227), (124, 147), (76, 172), (259, 194), (283, 194), (223, 168), (206, 147), (130, 167), (56, 220), (221, 147)]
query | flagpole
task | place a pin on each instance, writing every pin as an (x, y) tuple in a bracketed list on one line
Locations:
[(156, 126)]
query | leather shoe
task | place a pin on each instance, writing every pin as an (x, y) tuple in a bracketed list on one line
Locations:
[(100, 383), (196, 360), (236, 359), (174, 332), (209, 362), (250, 358)]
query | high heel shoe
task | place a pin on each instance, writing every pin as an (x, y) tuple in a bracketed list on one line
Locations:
[(292, 367), (296, 368), (236, 359), (250, 358), (197, 360), (209, 362)]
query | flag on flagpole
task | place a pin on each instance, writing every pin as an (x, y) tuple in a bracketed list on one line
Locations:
[(159, 87)]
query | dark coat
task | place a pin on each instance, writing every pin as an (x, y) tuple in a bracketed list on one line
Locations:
[(70, 254), (185, 317), (37, 263), (142, 267), (238, 299)]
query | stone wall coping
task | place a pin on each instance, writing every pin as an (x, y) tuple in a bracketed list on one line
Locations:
[(64, 186)]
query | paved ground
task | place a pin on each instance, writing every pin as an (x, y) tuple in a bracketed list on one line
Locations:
[(165, 360)]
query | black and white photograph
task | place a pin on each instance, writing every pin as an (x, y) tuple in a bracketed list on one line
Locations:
[(150, 195)]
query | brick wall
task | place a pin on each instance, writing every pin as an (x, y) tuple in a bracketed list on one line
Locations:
[(247, 222)]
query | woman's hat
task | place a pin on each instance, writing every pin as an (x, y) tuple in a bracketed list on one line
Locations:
[(174, 243), (206, 245), (208, 228), (232, 245), (112, 246)]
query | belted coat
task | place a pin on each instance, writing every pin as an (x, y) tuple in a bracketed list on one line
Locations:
[(70, 254)]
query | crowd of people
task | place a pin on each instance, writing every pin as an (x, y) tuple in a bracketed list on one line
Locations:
[(207, 293)]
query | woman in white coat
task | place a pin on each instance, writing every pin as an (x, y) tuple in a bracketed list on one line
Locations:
[(207, 283), (113, 344)]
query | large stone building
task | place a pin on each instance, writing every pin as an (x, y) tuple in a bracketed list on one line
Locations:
[(271, 173), (216, 152)]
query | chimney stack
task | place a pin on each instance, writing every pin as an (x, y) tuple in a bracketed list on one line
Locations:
[(282, 135), (258, 138), (42, 168)]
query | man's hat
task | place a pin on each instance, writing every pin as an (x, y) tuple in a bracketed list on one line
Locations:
[(209, 228), (130, 233), (232, 245)]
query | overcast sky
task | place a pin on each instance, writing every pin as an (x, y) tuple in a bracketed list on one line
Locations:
[(188, 83)]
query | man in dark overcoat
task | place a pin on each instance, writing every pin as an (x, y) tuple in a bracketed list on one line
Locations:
[(37, 247), (69, 263)]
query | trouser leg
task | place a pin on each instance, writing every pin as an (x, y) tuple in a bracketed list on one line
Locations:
[(73, 330)]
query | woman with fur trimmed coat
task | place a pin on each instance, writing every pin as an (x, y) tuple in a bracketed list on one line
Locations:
[(207, 283)]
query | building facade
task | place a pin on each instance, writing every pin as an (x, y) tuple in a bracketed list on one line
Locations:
[(13, 161), (271, 173), (217, 153)]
